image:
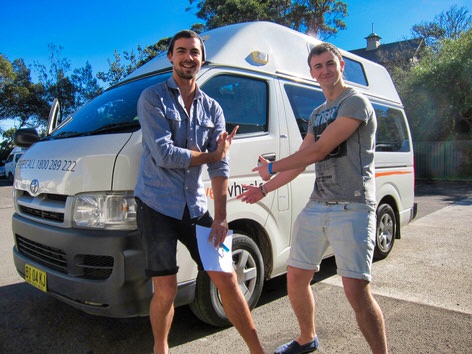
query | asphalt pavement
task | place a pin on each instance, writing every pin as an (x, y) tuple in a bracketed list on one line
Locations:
[(423, 287)]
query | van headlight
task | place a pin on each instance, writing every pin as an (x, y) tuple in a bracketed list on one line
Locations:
[(104, 211)]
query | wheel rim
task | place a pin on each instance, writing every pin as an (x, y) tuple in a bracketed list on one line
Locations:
[(245, 267), (246, 270), (385, 233)]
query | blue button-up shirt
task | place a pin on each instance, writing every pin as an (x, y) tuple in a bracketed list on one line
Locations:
[(166, 182)]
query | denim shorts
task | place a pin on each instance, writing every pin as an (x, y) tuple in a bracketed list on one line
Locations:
[(159, 236), (348, 227)]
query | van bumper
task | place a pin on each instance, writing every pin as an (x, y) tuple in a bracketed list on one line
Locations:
[(96, 271)]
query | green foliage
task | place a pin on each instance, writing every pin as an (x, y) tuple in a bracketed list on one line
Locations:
[(447, 25), (437, 92), (20, 99), (28, 103), (321, 18), (55, 80), (126, 63), (86, 85)]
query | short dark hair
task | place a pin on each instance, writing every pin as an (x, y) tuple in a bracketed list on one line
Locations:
[(185, 34), (323, 48)]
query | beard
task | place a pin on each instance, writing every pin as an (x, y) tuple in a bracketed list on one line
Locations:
[(186, 73)]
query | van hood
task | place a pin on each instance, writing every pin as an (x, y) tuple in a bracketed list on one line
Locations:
[(70, 166)]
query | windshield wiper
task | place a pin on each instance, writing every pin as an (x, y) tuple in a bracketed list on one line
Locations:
[(115, 127), (62, 135)]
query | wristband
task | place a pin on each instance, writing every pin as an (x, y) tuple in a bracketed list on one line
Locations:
[(269, 167), (263, 191)]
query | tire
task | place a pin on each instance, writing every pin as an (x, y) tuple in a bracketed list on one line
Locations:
[(10, 177), (249, 267), (386, 231)]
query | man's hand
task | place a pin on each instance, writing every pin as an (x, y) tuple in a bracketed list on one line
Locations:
[(219, 230), (224, 143), (263, 169), (251, 195)]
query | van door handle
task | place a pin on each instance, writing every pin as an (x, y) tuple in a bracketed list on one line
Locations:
[(271, 156)]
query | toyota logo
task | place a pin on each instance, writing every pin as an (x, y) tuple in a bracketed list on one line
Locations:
[(34, 186)]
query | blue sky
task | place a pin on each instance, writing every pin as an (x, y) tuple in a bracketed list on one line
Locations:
[(92, 30)]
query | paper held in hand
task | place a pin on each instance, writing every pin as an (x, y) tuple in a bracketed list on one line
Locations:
[(215, 259)]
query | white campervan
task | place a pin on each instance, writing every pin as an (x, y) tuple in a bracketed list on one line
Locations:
[(74, 224)]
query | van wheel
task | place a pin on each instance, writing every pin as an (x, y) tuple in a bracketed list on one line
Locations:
[(10, 177), (386, 231), (249, 268)]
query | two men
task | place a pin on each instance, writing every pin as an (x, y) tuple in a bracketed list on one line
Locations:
[(184, 129)]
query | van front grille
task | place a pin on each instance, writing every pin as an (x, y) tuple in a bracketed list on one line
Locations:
[(85, 266), (96, 267), (43, 214), (48, 256)]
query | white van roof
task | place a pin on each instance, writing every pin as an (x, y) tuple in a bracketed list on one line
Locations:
[(286, 51)]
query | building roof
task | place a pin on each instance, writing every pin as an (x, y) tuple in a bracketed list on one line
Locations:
[(384, 53)]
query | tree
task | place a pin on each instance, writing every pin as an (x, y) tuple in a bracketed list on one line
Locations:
[(218, 13), (20, 99), (55, 81), (86, 86), (27, 103), (447, 25), (71, 91), (320, 18), (437, 92), (6, 145), (119, 68)]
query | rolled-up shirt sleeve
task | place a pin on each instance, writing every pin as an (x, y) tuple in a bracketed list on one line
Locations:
[(220, 168)]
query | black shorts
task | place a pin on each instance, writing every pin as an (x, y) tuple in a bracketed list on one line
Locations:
[(159, 235)]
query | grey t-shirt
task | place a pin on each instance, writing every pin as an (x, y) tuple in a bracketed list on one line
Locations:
[(347, 174)]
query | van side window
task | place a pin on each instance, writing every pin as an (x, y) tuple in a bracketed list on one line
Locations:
[(243, 99), (392, 134), (303, 101), (354, 72)]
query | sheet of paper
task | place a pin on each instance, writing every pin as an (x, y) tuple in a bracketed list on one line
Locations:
[(215, 259)]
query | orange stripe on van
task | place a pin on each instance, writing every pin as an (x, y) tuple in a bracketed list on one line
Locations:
[(391, 173)]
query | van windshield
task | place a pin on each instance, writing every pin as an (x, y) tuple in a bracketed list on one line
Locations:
[(114, 111)]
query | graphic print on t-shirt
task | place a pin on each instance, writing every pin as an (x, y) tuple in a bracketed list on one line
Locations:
[(320, 122)]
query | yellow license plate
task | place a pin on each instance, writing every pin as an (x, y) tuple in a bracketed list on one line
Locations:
[(36, 277)]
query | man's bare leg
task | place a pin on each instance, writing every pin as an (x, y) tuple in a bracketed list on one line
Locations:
[(368, 313), (302, 301), (236, 309), (161, 311)]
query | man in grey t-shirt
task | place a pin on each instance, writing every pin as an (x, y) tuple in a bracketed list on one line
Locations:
[(341, 211)]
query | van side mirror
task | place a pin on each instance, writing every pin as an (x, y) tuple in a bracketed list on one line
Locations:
[(25, 137)]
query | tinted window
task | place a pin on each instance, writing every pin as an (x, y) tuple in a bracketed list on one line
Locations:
[(303, 101), (244, 101), (392, 133), (354, 72)]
